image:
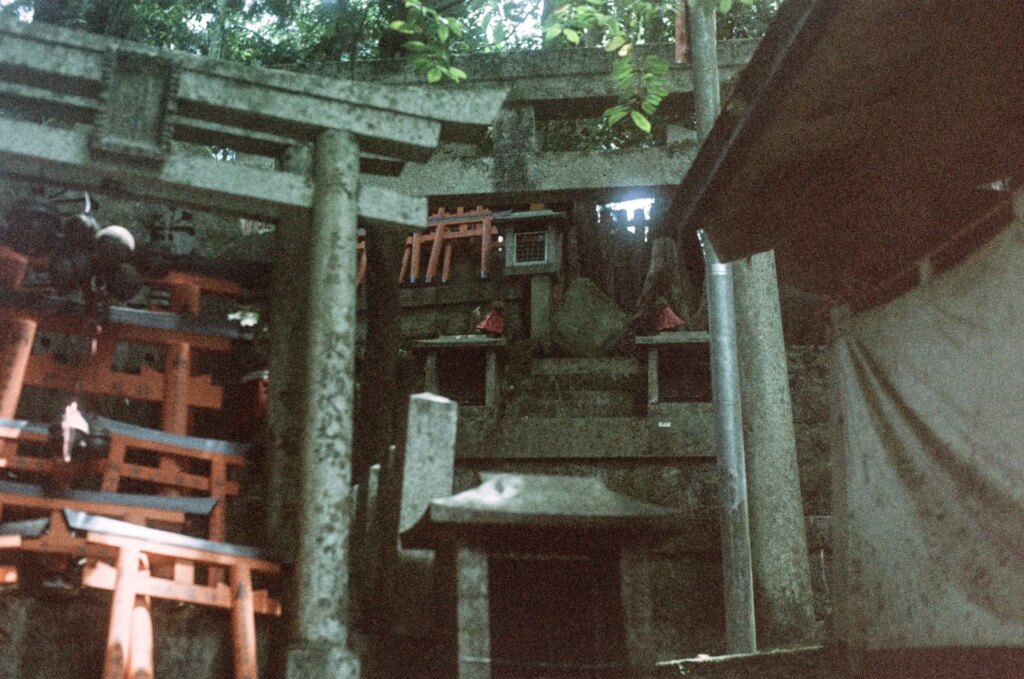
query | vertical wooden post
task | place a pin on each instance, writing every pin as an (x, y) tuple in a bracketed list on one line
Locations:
[(414, 265), (141, 657), (446, 268), (174, 417), (243, 622), (16, 337), (435, 252), (119, 636)]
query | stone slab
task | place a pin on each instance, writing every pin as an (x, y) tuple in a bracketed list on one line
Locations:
[(62, 156), (668, 339), (456, 341), (548, 176), (530, 500), (811, 662)]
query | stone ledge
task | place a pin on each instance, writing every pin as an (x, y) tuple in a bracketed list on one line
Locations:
[(812, 662)]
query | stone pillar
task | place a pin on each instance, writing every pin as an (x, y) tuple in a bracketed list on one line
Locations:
[(474, 619), (542, 299), (515, 135), (707, 91), (285, 398), (322, 570), (782, 581), (637, 610)]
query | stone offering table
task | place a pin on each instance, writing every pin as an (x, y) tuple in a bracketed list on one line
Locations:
[(547, 574), (660, 342), (453, 343)]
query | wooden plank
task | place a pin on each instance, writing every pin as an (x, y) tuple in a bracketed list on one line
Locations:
[(176, 479), (44, 371), (179, 552), (104, 509), (101, 575)]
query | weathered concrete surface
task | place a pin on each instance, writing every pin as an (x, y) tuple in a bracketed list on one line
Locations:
[(588, 437), (321, 617), (63, 638), (588, 322), (560, 83), (618, 175), (811, 662), (782, 584)]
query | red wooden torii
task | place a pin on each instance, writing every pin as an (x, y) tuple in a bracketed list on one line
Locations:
[(444, 230)]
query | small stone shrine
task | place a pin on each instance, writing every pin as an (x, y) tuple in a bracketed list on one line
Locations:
[(550, 576)]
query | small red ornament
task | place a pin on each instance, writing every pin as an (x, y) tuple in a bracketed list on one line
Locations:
[(668, 320), (493, 324)]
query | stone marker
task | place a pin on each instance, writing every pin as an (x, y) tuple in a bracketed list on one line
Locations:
[(588, 322)]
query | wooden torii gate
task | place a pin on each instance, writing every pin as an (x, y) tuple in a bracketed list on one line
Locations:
[(88, 112)]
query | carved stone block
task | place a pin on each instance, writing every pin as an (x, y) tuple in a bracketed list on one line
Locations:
[(137, 102)]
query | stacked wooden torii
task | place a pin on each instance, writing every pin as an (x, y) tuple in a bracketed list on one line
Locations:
[(122, 118)]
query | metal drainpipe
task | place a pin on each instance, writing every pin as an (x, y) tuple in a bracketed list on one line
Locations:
[(740, 630)]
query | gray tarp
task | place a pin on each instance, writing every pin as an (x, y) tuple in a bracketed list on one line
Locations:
[(929, 500)]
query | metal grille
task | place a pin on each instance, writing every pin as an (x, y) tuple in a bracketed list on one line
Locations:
[(531, 247)]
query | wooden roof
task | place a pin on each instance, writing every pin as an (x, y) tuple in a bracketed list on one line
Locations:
[(861, 136)]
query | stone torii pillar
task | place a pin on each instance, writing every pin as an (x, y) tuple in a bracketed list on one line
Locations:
[(325, 516)]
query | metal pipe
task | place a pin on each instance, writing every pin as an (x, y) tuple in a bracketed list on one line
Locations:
[(740, 631)]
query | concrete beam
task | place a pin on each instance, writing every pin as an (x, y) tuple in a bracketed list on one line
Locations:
[(565, 83), (548, 175), (62, 156)]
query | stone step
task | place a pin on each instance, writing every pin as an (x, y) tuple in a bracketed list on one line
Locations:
[(573, 403), (685, 431)]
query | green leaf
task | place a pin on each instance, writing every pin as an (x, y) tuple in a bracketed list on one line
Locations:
[(456, 74), (641, 121), (625, 50), (434, 74), (616, 113), (571, 35), (615, 43), (457, 28), (657, 65), (596, 3), (442, 33), (416, 46), (658, 88), (553, 31), (724, 6)]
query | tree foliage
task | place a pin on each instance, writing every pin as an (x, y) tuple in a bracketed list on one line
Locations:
[(312, 33)]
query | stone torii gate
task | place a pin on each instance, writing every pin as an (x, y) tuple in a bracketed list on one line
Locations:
[(88, 112)]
